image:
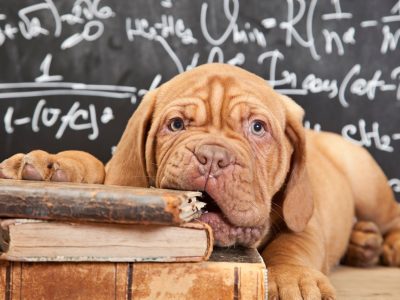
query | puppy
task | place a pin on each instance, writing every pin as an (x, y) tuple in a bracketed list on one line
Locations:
[(269, 183)]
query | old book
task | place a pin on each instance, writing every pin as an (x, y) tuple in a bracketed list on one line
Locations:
[(98, 203), (38, 240), (234, 273)]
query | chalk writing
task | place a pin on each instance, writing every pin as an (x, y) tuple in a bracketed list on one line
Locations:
[(88, 13), (69, 67), (360, 135), (76, 119), (395, 184)]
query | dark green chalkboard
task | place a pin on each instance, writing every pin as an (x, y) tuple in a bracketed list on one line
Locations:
[(72, 72)]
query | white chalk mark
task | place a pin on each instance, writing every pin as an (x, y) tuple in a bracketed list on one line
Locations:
[(45, 68), (396, 8), (91, 32), (170, 52), (348, 36), (153, 36), (369, 23), (57, 19), (396, 136), (65, 93), (71, 85), (394, 74), (309, 25), (36, 114), (330, 37), (315, 127), (237, 60), (154, 84), (336, 16), (292, 20), (32, 27), (388, 19), (395, 184), (275, 55), (360, 135), (388, 87), (22, 121), (8, 120), (195, 61), (2, 17), (73, 40), (50, 116), (215, 52), (390, 40), (107, 115), (342, 97), (231, 16), (292, 91), (268, 23), (10, 31), (94, 126), (73, 115), (166, 3)]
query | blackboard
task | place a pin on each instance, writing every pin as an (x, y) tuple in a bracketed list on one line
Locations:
[(73, 71)]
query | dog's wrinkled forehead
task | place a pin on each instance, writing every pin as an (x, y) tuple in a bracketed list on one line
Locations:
[(217, 85)]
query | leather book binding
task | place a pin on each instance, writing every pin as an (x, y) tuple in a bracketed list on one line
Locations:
[(96, 203)]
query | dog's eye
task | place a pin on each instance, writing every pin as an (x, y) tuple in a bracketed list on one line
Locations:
[(257, 127), (176, 124)]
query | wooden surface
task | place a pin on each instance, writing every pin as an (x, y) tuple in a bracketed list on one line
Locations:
[(378, 283)]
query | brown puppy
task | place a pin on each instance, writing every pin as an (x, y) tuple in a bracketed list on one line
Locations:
[(269, 183)]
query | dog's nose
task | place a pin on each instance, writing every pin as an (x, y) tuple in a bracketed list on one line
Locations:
[(214, 157)]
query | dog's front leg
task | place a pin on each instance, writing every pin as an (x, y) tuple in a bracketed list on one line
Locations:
[(295, 263)]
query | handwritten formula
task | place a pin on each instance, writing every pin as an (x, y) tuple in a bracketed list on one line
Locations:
[(73, 71)]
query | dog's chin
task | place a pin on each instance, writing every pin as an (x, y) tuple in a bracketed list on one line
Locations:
[(225, 233)]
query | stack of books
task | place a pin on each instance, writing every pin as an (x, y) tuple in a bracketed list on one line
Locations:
[(81, 241)]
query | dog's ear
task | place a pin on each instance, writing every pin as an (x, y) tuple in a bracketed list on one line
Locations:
[(128, 164), (298, 203)]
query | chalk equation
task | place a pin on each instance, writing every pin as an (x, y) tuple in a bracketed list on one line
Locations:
[(30, 24), (368, 135), (77, 119), (68, 66)]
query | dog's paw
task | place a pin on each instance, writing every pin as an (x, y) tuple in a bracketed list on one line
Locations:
[(67, 166), (287, 282), (10, 168), (391, 249), (365, 246)]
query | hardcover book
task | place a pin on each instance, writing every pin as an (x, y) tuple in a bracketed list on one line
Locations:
[(231, 273), (37, 240), (96, 203)]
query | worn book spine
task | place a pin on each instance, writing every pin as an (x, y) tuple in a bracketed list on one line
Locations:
[(96, 203), (203, 280)]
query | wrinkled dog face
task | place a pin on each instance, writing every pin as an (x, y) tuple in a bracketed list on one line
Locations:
[(222, 134)]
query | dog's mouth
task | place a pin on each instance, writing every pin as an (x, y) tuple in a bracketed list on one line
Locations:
[(226, 233), (211, 205)]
